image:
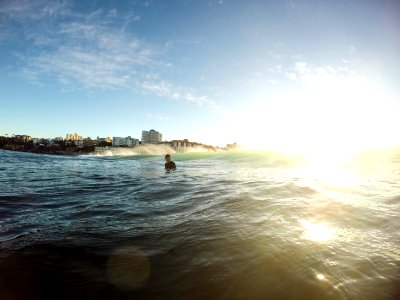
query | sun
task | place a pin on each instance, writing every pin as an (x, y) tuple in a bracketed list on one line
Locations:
[(330, 120)]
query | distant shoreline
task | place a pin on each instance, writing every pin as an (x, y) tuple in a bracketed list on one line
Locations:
[(103, 151), (60, 153), (69, 147)]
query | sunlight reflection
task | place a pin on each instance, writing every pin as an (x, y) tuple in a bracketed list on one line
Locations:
[(331, 174), (317, 231), (320, 276)]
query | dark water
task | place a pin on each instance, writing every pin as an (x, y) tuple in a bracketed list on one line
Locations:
[(241, 225)]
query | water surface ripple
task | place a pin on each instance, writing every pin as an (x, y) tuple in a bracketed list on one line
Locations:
[(245, 225)]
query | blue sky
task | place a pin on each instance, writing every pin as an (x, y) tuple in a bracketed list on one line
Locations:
[(262, 73)]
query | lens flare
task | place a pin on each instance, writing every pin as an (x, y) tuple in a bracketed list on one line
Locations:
[(128, 268)]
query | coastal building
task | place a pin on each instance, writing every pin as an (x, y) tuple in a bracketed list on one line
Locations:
[(124, 141), (36, 140), (233, 146), (184, 145), (22, 138), (151, 137), (73, 137), (131, 142), (106, 139), (78, 143)]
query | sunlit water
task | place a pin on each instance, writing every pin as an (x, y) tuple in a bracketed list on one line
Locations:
[(240, 225)]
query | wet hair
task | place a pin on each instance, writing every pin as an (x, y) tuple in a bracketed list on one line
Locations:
[(167, 155)]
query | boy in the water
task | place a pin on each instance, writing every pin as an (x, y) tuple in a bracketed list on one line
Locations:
[(169, 165)]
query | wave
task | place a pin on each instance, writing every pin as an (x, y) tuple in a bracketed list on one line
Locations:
[(145, 150), (244, 158)]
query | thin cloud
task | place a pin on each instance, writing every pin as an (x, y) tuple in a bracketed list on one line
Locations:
[(352, 50), (23, 10), (91, 56), (143, 2), (304, 72), (112, 13), (91, 51), (292, 4), (275, 55), (165, 89)]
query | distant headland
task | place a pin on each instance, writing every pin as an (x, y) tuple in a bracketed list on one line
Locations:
[(74, 144)]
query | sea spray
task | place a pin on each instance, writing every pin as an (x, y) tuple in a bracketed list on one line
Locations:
[(139, 150), (148, 149)]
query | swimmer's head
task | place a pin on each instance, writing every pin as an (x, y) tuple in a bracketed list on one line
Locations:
[(167, 157)]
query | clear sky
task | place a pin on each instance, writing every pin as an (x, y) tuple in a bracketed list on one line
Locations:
[(266, 74)]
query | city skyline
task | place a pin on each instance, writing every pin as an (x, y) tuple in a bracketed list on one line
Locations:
[(127, 141), (266, 74), (77, 136)]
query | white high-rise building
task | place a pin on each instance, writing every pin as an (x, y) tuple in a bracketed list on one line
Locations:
[(124, 141), (151, 137)]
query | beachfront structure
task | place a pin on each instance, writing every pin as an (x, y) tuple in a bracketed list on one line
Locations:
[(233, 146), (151, 137), (184, 145), (106, 139), (78, 143), (74, 137), (124, 141), (22, 138)]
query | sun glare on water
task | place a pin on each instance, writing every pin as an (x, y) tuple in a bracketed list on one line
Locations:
[(317, 231), (330, 167)]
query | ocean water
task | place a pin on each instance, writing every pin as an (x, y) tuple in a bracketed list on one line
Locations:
[(237, 225)]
